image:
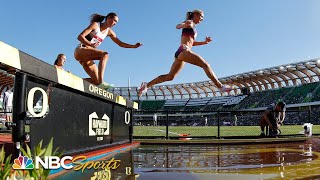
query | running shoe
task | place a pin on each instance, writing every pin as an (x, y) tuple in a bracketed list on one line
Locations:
[(106, 86), (226, 88), (142, 89)]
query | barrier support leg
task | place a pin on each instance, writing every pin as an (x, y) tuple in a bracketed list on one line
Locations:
[(19, 112)]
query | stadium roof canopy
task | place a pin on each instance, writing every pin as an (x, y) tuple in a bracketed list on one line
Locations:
[(293, 74)]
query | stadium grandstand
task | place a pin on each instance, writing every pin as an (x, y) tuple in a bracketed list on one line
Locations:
[(6, 81), (295, 83), (201, 110)]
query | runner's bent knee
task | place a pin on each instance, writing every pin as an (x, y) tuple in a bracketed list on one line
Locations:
[(86, 63), (105, 55)]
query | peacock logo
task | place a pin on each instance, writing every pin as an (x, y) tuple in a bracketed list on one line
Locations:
[(23, 162)]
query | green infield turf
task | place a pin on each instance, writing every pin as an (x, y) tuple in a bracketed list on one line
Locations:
[(213, 130)]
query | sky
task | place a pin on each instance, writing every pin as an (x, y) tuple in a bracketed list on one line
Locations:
[(247, 35)]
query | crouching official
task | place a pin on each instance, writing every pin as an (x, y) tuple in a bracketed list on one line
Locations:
[(273, 117)]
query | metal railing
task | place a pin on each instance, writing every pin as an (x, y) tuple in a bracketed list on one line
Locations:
[(216, 124)]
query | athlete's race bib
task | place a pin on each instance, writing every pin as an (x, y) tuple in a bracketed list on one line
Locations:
[(96, 41)]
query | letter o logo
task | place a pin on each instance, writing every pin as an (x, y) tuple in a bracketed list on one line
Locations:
[(127, 117), (30, 99)]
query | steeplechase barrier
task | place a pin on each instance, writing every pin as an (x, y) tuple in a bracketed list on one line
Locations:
[(50, 102)]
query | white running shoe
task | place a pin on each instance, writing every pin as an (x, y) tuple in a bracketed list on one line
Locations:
[(142, 89), (226, 88), (106, 86)]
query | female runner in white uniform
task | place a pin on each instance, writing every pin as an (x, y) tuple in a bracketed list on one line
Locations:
[(90, 39)]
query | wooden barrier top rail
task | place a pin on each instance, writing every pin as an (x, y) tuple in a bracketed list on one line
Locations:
[(28, 64)]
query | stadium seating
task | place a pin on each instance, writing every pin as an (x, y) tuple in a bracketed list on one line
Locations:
[(152, 105), (291, 95)]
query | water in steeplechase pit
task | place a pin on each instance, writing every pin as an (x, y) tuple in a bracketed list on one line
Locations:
[(293, 160)]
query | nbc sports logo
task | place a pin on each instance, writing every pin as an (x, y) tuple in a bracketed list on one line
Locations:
[(23, 162), (49, 162)]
